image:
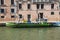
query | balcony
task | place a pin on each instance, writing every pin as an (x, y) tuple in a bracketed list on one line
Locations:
[(22, 0), (42, 1)]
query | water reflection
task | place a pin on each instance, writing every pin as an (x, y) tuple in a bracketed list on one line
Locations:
[(30, 33)]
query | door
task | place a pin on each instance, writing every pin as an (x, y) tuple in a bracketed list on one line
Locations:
[(28, 17), (40, 15)]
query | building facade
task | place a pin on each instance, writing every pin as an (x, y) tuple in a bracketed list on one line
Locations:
[(29, 10)]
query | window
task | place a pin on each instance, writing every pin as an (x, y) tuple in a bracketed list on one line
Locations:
[(38, 6), (2, 2), (41, 15), (59, 13), (28, 6), (20, 16), (1, 10), (2, 16), (12, 2), (59, 5), (52, 6), (13, 16), (12, 10), (52, 13), (42, 6), (20, 6), (29, 16)]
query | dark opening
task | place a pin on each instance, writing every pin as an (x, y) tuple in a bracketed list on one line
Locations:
[(13, 16), (29, 16), (12, 10), (20, 16), (59, 13), (2, 2), (52, 6), (52, 13), (41, 15), (38, 16), (38, 6), (42, 6), (28, 6), (2, 10), (20, 6), (2, 16), (12, 2)]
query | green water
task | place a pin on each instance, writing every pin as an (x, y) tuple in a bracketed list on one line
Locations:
[(30, 33)]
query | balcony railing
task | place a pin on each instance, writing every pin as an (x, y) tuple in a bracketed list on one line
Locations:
[(49, 1)]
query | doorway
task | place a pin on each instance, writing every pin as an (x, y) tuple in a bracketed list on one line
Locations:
[(40, 15), (28, 17)]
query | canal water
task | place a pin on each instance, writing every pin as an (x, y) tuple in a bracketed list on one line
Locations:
[(52, 33)]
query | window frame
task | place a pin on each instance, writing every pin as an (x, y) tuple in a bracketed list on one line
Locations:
[(52, 13), (2, 17), (11, 10), (38, 6), (20, 16), (2, 9), (29, 15), (20, 6), (12, 16), (42, 6), (52, 6), (59, 13), (11, 2), (29, 6), (3, 2)]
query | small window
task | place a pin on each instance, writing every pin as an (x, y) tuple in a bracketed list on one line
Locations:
[(20, 16), (52, 6), (52, 13), (13, 16), (20, 6), (2, 10), (2, 16), (28, 6), (12, 10)]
